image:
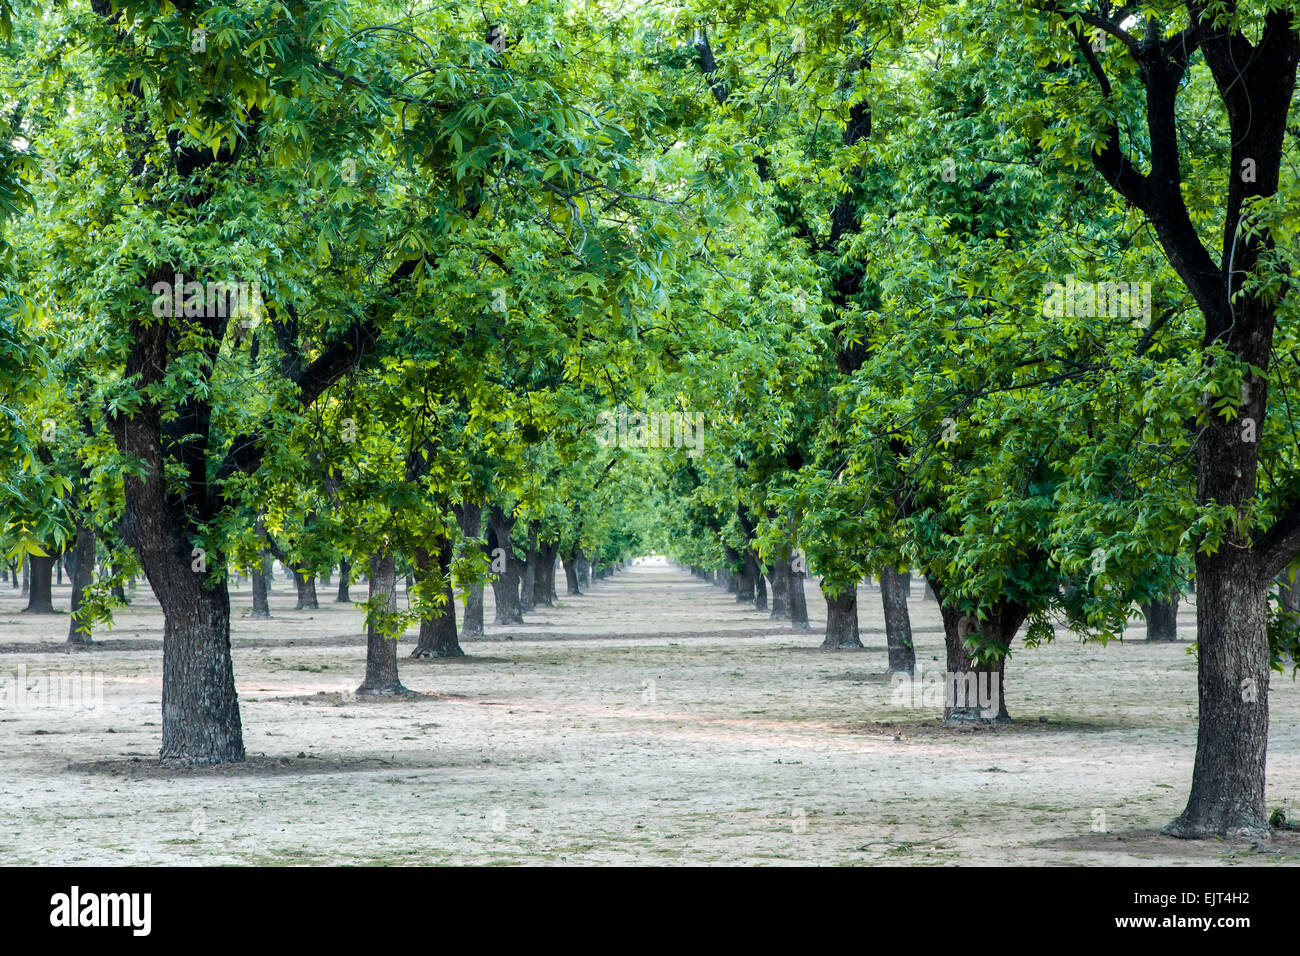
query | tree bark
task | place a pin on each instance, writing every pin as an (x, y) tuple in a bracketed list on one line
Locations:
[(760, 583), (544, 583), (779, 576), (798, 601), (27, 574), (437, 630), (40, 598), (975, 692), (841, 619), (1162, 619), (898, 623), (505, 588), (528, 579), (744, 578), (345, 579), (261, 603), (83, 571), (381, 650), (305, 582), (470, 514), (1227, 797), (584, 570), (571, 586)]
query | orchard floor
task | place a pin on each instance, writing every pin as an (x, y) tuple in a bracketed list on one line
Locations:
[(651, 720)]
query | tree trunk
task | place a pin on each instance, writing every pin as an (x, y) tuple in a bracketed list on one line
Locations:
[(83, 570), (438, 630), (1227, 797), (118, 591), (544, 583), (898, 623), (470, 515), (745, 579), (760, 583), (27, 574), (841, 619), (1162, 619), (584, 570), (736, 573), (528, 580), (506, 585), (381, 650), (40, 598), (571, 572), (261, 605), (798, 601), (345, 579), (975, 692), (305, 582), (779, 576), (268, 571)]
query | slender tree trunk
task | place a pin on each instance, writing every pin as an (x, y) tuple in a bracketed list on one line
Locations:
[(898, 623), (841, 619), (528, 580), (1162, 619), (83, 571), (584, 570), (470, 515), (261, 603), (760, 583), (27, 574), (345, 578), (506, 586), (798, 601), (736, 572), (437, 631), (381, 650), (40, 598), (305, 582), (268, 571), (118, 591), (779, 576), (571, 572)]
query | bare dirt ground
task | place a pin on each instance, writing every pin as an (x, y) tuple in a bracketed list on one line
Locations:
[(650, 720)]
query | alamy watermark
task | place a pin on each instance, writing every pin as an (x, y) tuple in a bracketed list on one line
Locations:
[(212, 299), (932, 689), (1114, 299), (651, 430), (57, 690)]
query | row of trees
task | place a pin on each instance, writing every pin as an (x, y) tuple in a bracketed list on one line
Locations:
[(995, 292)]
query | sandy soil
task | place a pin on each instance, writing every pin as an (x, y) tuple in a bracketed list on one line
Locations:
[(648, 721)]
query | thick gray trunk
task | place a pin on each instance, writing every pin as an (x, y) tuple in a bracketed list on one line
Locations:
[(381, 650), (40, 594), (841, 619), (1162, 619), (305, 582)]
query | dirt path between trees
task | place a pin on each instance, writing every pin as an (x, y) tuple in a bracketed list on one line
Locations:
[(650, 720)]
